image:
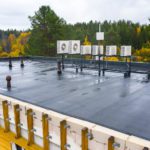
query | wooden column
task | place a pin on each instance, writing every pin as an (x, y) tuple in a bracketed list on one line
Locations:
[(84, 139), (111, 141), (45, 132), (30, 126), (63, 135), (6, 116), (17, 120)]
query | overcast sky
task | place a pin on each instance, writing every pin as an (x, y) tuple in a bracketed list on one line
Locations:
[(14, 13)]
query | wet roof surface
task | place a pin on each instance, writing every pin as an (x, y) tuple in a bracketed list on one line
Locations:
[(111, 101)]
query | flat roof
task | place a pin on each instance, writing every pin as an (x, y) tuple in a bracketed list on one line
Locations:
[(112, 101)]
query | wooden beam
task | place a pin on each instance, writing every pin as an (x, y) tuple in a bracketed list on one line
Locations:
[(111, 141), (17, 120), (145, 148), (63, 135), (6, 116), (30, 126), (84, 139), (45, 132)]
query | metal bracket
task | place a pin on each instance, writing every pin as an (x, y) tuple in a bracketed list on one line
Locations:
[(33, 130), (32, 114), (48, 118), (49, 137), (20, 124), (116, 145), (19, 109), (90, 136), (67, 145), (8, 103), (67, 126), (8, 119)]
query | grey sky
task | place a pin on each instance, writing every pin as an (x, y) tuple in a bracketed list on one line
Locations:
[(14, 13)]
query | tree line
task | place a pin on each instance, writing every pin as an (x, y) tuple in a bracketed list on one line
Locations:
[(48, 27)]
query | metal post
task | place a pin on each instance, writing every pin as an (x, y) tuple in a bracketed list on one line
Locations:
[(148, 76), (99, 65), (63, 66), (130, 67), (59, 68), (99, 27), (10, 62), (99, 59), (81, 67), (22, 63), (103, 65), (76, 69), (127, 74)]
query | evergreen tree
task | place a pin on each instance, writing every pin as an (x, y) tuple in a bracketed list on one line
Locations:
[(46, 29)]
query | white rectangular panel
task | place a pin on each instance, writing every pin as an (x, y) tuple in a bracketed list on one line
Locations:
[(125, 50), (100, 36), (97, 50), (62, 47), (111, 50), (86, 50), (74, 47)]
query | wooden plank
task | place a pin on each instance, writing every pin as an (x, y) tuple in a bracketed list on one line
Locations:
[(6, 116), (30, 127), (111, 141), (63, 135), (7, 138), (84, 139), (17, 120), (45, 124)]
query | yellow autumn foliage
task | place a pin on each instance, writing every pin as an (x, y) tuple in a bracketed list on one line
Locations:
[(11, 39), (86, 41), (4, 54), (18, 48), (17, 45), (138, 30), (143, 55), (111, 59)]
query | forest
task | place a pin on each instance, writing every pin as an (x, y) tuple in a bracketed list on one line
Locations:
[(47, 27)]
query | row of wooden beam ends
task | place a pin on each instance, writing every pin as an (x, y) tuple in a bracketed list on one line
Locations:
[(30, 124), (45, 124), (84, 137)]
